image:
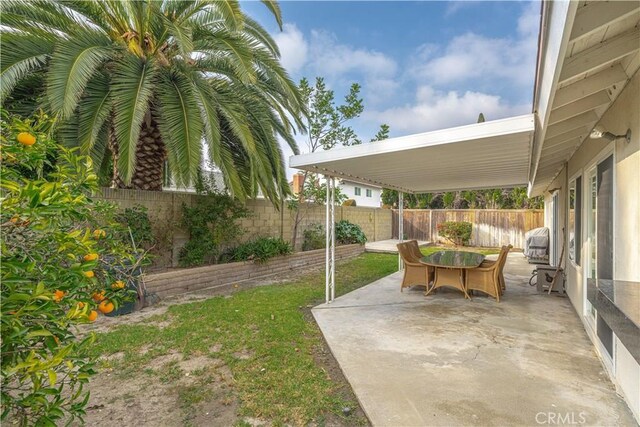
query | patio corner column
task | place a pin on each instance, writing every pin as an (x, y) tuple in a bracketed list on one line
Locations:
[(333, 238), (400, 225), (326, 245)]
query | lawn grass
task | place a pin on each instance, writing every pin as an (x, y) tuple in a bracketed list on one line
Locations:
[(261, 334)]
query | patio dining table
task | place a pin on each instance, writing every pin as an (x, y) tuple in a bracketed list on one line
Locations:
[(450, 268)]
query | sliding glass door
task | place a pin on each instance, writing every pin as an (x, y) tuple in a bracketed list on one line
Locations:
[(590, 239), (599, 240)]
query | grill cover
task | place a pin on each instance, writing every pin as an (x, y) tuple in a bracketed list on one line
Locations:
[(536, 243)]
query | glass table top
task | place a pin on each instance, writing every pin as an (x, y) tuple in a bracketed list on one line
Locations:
[(454, 259)]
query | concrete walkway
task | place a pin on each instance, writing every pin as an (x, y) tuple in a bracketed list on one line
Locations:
[(387, 246), (442, 360)]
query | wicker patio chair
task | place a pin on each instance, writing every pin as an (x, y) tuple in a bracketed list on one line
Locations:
[(417, 254), (488, 263), (415, 249), (415, 273), (487, 279)]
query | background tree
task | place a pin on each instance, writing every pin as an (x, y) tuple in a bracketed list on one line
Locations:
[(141, 84), (327, 125)]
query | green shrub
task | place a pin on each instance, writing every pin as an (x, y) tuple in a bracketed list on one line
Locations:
[(138, 225), (61, 255), (212, 223), (457, 232), (259, 250), (314, 238), (348, 233)]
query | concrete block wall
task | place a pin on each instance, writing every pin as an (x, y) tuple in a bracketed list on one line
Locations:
[(182, 280), (165, 213)]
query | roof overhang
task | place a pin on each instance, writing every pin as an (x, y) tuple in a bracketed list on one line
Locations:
[(492, 154), (588, 52)]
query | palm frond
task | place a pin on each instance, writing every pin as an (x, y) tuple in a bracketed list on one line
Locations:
[(255, 30), (274, 7), (180, 125), (218, 155), (48, 17), (21, 55), (72, 64), (91, 12), (236, 49), (230, 12), (93, 111)]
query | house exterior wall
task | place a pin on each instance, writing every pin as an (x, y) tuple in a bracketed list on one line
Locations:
[(623, 114), (349, 189)]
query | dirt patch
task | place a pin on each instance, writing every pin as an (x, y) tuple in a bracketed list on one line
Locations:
[(244, 354), (199, 363), (201, 396), (166, 359), (216, 348)]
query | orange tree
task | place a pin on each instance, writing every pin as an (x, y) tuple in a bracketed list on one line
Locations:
[(64, 262)]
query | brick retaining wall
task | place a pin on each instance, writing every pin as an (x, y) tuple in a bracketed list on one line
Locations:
[(192, 279)]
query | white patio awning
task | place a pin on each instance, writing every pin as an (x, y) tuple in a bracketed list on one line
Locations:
[(493, 154)]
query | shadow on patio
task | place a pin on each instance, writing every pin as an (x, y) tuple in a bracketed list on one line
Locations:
[(442, 360)]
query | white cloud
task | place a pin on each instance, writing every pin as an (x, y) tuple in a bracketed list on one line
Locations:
[(435, 109), (331, 58), (454, 7), (293, 48), (474, 58)]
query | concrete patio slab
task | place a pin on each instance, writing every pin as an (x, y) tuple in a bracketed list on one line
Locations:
[(442, 360), (387, 246)]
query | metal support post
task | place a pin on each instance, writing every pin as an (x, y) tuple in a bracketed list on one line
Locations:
[(327, 240), (333, 238), (400, 225)]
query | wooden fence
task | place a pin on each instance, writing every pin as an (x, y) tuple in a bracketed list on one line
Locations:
[(491, 227)]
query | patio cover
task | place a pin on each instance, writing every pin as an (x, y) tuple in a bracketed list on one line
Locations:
[(493, 154)]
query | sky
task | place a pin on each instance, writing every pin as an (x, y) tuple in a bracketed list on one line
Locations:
[(422, 65)]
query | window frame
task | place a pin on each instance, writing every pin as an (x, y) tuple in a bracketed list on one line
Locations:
[(357, 191), (368, 192), (575, 226)]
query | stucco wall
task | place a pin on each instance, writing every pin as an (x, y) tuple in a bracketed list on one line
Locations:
[(622, 115)]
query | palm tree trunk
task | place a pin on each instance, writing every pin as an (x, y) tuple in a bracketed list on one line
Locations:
[(151, 154)]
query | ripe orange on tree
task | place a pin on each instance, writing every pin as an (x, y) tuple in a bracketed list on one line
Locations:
[(89, 274), (119, 284), (98, 234), (98, 296), (90, 257), (106, 306), (92, 316), (58, 295), (25, 138)]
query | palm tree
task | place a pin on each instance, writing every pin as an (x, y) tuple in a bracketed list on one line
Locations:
[(142, 83)]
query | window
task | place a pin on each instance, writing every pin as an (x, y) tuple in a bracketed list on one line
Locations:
[(368, 193), (358, 191), (575, 219)]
